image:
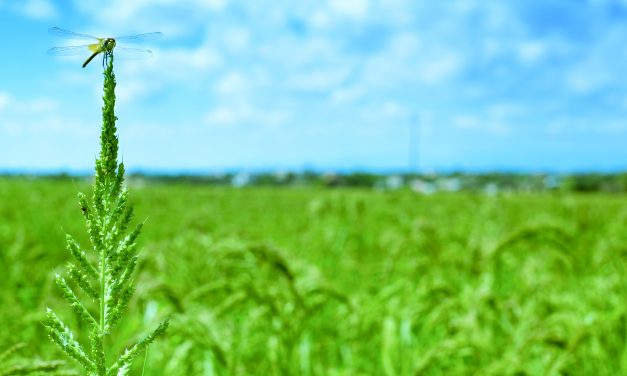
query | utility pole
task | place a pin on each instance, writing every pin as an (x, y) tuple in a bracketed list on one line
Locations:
[(414, 139)]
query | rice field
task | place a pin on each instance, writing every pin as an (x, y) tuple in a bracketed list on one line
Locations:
[(311, 281)]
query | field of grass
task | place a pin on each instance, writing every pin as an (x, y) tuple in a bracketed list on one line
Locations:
[(339, 282)]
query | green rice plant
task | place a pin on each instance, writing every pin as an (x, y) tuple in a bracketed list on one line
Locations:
[(105, 276), (8, 368), (450, 284)]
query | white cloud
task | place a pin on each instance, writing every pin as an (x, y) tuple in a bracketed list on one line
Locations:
[(482, 124), (439, 69), (377, 61), (319, 19), (176, 66), (496, 119), (128, 91), (4, 101), (222, 116), (357, 9), (413, 58), (237, 39), (323, 79), (232, 83), (36, 117), (608, 2), (145, 15), (40, 105), (37, 9), (570, 125), (9, 103), (598, 65), (212, 4), (392, 109), (236, 115), (586, 79), (349, 94), (532, 52)]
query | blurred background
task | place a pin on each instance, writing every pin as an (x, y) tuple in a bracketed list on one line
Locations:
[(498, 113), (385, 86)]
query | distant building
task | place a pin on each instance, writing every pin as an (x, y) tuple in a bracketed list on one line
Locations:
[(421, 186), (394, 182), (552, 182), (450, 184), (241, 179), (491, 189)]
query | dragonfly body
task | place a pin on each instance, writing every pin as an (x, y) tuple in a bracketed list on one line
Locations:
[(103, 46)]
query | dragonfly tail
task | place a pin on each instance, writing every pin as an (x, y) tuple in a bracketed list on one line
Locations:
[(90, 58)]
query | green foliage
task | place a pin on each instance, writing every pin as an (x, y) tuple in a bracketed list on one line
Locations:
[(9, 367), (343, 282), (104, 273)]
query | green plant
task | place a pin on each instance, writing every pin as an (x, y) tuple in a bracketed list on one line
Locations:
[(106, 275), (19, 368)]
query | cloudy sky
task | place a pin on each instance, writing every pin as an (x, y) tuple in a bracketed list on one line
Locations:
[(533, 85)]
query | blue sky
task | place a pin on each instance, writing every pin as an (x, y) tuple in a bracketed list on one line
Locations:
[(533, 85)]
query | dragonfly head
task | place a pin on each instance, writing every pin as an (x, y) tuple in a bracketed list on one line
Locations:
[(108, 44)]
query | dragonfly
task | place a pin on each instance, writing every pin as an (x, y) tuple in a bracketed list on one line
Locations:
[(102, 46)]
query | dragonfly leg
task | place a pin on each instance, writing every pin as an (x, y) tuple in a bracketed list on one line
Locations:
[(105, 58)]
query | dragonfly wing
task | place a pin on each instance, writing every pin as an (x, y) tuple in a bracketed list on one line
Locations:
[(70, 34), (131, 53), (140, 37), (69, 51)]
